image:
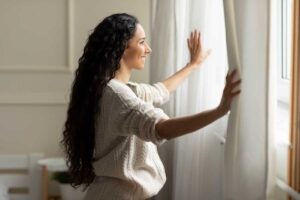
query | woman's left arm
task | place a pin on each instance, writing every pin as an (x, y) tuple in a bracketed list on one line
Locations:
[(197, 56)]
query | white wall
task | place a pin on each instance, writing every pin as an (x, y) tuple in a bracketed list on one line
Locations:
[(39, 43)]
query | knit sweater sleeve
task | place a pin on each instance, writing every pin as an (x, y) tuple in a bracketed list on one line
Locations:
[(133, 116), (157, 94)]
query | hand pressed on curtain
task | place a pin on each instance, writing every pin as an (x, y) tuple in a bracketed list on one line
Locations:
[(197, 56), (229, 92)]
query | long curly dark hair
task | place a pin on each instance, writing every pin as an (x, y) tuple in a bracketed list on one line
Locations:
[(97, 66)]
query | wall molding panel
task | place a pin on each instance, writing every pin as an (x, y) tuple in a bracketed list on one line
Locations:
[(68, 67), (34, 99), (36, 52)]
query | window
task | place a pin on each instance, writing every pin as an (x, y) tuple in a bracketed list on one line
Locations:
[(283, 24), (284, 10), (287, 138), (284, 56), (286, 33)]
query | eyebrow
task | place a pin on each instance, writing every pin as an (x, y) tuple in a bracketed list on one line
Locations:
[(143, 38)]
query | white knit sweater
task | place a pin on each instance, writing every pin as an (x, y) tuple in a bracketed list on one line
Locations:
[(127, 163)]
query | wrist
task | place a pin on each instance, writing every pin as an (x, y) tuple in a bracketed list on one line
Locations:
[(191, 65), (221, 111)]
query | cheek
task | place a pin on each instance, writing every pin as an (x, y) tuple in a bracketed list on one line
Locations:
[(127, 56), (132, 55)]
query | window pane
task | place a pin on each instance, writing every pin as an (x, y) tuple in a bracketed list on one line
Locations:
[(286, 22)]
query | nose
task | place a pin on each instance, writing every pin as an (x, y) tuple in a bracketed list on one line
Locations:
[(148, 49)]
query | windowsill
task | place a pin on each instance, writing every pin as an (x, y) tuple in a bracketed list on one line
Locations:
[(286, 188)]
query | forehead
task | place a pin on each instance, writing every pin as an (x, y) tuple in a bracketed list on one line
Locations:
[(139, 32)]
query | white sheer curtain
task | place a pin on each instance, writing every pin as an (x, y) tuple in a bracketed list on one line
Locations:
[(197, 165), (249, 150), (196, 171)]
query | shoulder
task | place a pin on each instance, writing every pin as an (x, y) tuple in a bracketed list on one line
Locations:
[(120, 91), (116, 86), (134, 87)]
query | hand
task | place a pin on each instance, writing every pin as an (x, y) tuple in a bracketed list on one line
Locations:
[(197, 56), (229, 93)]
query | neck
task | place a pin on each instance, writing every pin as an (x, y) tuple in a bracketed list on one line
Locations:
[(123, 74)]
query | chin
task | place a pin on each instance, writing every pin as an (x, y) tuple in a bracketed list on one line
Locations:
[(139, 67)]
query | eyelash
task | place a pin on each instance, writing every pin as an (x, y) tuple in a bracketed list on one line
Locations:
[(142, 42)]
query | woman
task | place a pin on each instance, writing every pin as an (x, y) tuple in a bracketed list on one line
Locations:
[(112, 127)]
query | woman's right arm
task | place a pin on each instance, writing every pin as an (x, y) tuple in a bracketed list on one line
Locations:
[(175, 127)]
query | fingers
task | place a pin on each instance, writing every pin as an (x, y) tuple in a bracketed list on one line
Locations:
[(230, 76), (230, 91), (229, 95), (233, 73), (193, 41), (236, 83), (189, 44), (231, 85), (198, 46), (233, 94)]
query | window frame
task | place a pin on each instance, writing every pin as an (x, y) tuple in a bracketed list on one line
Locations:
[(284, 49), (294, 152)]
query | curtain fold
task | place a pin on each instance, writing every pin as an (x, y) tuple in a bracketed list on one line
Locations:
[(249, 149), (272, 103)]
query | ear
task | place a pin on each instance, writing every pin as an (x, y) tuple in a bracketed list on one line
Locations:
[(122, 60), (125, 53)]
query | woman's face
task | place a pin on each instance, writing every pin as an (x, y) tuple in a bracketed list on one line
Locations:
[(135, 54)]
